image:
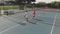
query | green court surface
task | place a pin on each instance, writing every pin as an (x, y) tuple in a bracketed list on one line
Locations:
[(44, 23)]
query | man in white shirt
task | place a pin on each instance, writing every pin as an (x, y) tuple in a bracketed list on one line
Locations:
[(26, 15)]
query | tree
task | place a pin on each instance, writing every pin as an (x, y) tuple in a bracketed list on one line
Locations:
[(54, 4), (41, 4), (24, 1)]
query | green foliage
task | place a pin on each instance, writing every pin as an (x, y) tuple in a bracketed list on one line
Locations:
[(40, 4), (54, 5), (8, 7)]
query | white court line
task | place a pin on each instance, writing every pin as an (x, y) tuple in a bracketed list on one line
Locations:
[(9, 28), (53, 24)]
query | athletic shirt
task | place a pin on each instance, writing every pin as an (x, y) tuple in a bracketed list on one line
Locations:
[(33, 13), (26, 14)]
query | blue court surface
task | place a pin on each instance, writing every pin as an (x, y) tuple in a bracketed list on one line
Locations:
[(44, 23)]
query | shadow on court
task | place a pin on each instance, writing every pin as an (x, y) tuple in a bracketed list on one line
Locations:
[(32, 22), (42, 21), (22, 24), (38, 19)]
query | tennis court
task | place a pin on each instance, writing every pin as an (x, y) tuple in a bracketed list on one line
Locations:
[(44, 23)]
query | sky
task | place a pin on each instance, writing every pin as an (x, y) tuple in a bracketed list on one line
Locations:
[(47, 1)]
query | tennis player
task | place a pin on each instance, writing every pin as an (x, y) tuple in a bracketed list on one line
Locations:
[(33, 14), (26, 15)]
